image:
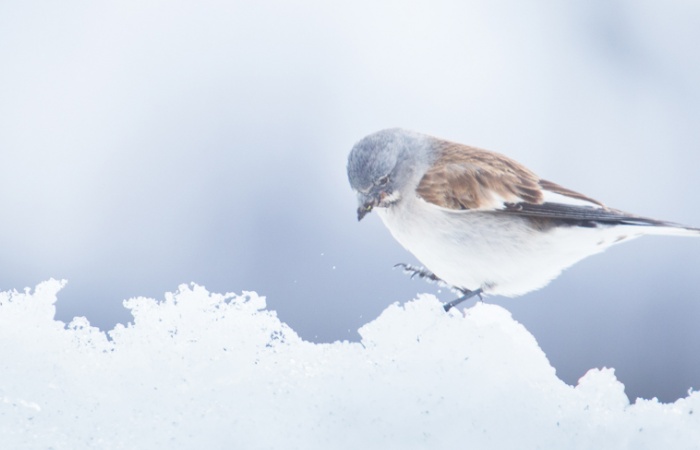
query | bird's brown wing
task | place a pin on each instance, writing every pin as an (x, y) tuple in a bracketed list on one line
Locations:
[(466, 177), (469, 178)]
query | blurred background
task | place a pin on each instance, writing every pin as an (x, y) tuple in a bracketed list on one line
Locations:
[(145, 144)]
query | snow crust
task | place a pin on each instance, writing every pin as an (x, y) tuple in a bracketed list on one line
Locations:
[(203, 370)]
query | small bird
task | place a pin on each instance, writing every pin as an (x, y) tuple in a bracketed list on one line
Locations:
[(479, 221)]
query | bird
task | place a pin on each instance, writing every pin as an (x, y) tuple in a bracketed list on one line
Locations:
[(480, 222)]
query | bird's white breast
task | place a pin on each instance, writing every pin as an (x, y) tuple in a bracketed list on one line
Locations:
[(502, 254)]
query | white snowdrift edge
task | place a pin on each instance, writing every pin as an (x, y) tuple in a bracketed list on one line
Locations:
[(204, 370)]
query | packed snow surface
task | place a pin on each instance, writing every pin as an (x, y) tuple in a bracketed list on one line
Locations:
[(202, 370)]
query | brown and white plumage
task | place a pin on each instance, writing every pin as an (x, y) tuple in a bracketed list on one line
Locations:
[(480, 220), (470, 178), (464, 177)]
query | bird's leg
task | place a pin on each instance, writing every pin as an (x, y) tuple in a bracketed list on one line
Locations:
[(431, 277), (467, 295), (419, 272)]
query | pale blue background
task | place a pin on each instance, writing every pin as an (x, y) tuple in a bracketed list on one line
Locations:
[(144, 144)]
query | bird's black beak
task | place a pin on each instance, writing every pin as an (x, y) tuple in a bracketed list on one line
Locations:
[(367, 203), (363, 210)]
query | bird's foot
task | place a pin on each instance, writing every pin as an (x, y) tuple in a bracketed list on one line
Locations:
[(419, 272), (467, 295)]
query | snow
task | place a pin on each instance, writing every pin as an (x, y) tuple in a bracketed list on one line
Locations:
[(204, 370)]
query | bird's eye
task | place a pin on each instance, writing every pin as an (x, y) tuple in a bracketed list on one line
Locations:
[(383, 180)]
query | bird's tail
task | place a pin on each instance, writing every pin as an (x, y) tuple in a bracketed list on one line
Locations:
[(649, 226), (671, 229)]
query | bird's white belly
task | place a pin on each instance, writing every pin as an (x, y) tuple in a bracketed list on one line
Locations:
[(503, 255)]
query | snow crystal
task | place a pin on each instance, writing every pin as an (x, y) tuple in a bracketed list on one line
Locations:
[(204, 370)]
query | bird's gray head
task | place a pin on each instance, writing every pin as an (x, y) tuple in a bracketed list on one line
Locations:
[(385, 166)]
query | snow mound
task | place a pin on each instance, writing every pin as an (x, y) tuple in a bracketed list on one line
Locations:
[(203, 370)]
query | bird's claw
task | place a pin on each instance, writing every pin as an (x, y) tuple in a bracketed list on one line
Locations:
[(418, 272), (465, 294)]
